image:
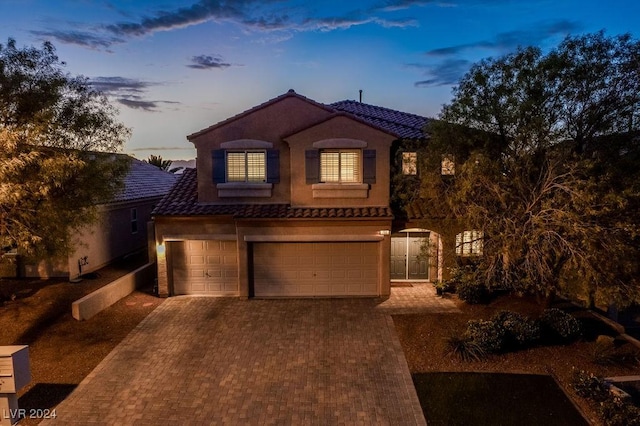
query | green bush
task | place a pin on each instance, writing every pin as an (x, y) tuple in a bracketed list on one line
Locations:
[(472, 292), (489, 335), (617, 412), (520, 330), (465, 349), (560, 325), (606, 352), (613, 410), (589, 386)]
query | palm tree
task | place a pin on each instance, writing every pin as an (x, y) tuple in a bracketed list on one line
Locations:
[(165, 165)]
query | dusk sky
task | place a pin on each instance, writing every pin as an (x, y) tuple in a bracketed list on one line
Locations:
[(175, 67)]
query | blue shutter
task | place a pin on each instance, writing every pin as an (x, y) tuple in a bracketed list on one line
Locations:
[(312, 166), (218, 164), (273, 166), (369, 166)]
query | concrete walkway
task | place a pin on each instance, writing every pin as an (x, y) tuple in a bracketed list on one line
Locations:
[(230, 361)]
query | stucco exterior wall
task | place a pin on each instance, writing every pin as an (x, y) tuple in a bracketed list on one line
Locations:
[(339, 127), (247, 231), (269, 124)]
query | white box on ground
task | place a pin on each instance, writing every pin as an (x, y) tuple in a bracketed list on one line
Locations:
[(14, 368)]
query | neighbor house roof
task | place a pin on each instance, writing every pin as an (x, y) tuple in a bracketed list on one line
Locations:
[(145, 180), (402, 124), (182, 200)]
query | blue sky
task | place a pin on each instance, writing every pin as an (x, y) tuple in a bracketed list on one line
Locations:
[(175, 67)]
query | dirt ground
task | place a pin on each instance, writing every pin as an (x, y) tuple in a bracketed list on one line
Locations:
[(423, 338), (62, 350)]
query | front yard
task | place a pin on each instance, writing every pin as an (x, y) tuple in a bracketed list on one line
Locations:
[(424, 340), (63, 351)]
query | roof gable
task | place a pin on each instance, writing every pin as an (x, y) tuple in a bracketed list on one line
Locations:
[(290, 94)]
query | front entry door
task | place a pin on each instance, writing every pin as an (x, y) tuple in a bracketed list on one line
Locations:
[(398, 270), (407, 259), (418, 263)]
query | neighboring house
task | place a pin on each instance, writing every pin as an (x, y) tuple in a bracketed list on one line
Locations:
[(120, 230), (292, 198)]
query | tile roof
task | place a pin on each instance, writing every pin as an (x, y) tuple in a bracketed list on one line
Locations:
[(402, 124), (182, 200), (145, 181)]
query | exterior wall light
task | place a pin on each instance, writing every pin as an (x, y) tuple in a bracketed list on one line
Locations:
[(384, 232)]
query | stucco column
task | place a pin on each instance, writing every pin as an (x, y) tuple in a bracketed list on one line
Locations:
[(163, 281)]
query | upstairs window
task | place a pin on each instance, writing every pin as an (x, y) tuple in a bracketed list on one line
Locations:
[(469, 243), (341, 166), (246, 166), (410, 163), (448, 166)]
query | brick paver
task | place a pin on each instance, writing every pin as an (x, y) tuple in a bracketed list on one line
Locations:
[(230, 361)]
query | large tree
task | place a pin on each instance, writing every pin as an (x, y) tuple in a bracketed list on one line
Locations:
[(55, 132), (547, 165)]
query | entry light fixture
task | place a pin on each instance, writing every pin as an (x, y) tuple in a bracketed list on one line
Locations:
[(160, 249), (384, 232)]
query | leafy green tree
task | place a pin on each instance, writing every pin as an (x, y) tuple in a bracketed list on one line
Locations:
[(55, 132), (165, 165), (547, 166)]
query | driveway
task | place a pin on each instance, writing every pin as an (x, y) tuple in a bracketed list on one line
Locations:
[(230, 361)]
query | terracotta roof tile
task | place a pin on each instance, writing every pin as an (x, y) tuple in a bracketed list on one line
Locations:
[(182, 200), (402, 124)]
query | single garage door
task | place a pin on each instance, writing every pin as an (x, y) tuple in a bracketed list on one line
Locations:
[(315, 269), (206, 267)]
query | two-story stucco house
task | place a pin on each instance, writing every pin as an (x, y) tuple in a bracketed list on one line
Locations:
[(292, 198)]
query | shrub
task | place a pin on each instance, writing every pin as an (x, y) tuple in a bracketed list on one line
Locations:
[(472, 292), (465, 349), (605, 352), (613, 410), (560, 325), (520, 330), (589, 386), (616, 412), (489, 335)]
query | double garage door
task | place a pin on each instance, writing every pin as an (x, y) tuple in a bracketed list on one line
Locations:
[(277, 269), (315, 269)]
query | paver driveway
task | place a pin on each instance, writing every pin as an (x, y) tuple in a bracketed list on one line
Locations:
[(230, 361)]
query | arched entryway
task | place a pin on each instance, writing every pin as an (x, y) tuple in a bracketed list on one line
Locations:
[(415, 255)]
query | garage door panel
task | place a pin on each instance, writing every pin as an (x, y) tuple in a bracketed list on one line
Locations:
[(315, 269), (205, 267)]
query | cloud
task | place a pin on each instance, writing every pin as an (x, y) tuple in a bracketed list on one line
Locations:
[(128, 92), (394, 5), (118, 85), (447, 72), (207, 62), (87, 39), (449, 65), (158, 148), (264, 16), (509, 41)]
